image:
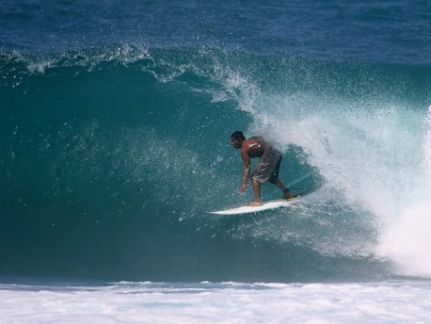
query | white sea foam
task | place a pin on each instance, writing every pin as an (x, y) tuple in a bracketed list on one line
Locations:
[(375, 154), (407, 240), (218, 303)]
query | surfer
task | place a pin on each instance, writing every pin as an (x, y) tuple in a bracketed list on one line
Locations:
[(268, 168)]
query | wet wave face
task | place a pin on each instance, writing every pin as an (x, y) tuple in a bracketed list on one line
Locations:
[(111, 159), (114, 140)]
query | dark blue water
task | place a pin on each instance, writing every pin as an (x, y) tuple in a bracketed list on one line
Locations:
[(114, 134), (385, 32)]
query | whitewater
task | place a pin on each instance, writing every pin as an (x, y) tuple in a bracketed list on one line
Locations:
[(217, 303)]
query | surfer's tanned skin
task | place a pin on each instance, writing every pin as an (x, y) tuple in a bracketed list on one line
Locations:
[(255, 147)]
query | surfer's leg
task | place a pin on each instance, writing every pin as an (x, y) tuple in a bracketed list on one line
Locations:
[(276, 181), (256, 189), (286, 193)]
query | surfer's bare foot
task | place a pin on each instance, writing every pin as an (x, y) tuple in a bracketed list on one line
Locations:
[(256, 203), (288, 195)]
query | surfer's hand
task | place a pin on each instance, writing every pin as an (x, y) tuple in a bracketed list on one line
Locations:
[(242, 190)]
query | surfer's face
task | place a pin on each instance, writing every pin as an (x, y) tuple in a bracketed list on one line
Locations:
[(236, 142)]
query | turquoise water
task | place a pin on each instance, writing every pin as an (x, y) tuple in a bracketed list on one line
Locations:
[(120, 155), (114, 139)]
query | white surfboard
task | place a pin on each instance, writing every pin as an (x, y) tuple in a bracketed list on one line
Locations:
[(273, 204)]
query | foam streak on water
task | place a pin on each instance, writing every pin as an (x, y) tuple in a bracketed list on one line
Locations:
[(217, 303)]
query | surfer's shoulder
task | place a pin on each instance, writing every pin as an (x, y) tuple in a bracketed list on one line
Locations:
[(250, 142)]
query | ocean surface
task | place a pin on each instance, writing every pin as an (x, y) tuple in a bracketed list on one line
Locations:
[(115, 119)]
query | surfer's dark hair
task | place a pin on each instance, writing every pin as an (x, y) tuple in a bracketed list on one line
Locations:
[(238, 135)]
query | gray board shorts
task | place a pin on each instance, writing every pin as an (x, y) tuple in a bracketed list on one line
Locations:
[(268, 167)]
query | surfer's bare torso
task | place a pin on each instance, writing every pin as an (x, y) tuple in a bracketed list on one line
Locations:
[(252, 148)]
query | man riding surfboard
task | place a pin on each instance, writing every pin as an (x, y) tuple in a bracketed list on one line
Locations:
[(267, 169)]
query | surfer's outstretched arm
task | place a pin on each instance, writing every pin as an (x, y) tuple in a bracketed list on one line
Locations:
[(246, 172)]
